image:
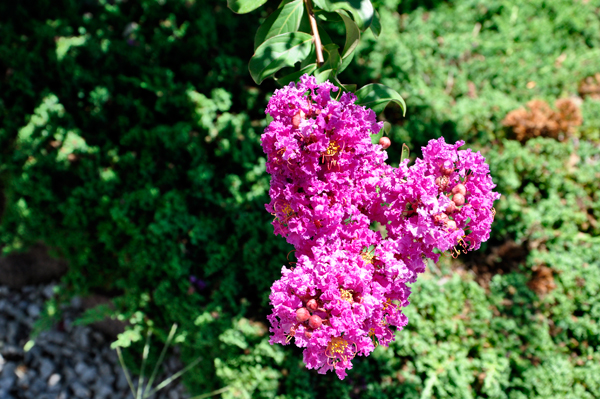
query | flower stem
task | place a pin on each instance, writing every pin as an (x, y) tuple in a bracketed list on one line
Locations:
[(315, 32)]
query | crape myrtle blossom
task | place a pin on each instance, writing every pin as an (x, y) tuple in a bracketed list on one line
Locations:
[(329, 187)]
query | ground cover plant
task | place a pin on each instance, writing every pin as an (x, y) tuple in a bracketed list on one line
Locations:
[(130, 144)]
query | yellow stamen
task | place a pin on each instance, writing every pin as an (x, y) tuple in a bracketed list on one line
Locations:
[(336, 351), (346, 295), (332, 149), (368, 256), (286, 209), (330, 152)]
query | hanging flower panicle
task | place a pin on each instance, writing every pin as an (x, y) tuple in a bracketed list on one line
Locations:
[(329, 185)]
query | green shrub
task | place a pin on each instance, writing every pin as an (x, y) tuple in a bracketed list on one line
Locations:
[(130, 144)]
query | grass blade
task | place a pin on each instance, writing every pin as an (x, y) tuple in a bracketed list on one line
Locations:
[(144, 359), (213, 393), (160, 359), (120, 355), (174, 376)]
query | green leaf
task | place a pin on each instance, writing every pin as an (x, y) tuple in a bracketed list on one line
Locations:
[(352, 34), (361, 10), (376, 25), (285, 19), (377, 96), (405, 152), (384, 130), (278, 52), (333, 61), (352, 39), (293, 77), (244, 6)]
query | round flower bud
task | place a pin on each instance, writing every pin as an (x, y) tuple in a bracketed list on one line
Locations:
[(451, 208), (297, 118), (440, 218), (458, 199), (451, 225), (385, 142), (459, 189), (312, 305), (314, 322), (302, 315), (307, 334), (442, 182)]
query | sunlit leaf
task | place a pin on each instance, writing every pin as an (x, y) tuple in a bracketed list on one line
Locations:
[(377, 96), (352, 39), (352, 34), (361, 10), (278, 52), (405, 152), (283, 20), (244, 6)]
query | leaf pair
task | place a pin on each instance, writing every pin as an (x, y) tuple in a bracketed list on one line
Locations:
[(283, 40)]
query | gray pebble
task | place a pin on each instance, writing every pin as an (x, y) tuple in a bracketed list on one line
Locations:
[(81, 337), (37, 387), (80, 391), (53, 336), (86, 373), (4, 304), (12, 332), (103, 392), (33, 310), (46, 368), (73, 363), (48, 291), (76, 302), (54, 380), (8, 376)]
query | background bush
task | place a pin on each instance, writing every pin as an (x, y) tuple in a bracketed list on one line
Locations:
[(130, 144)]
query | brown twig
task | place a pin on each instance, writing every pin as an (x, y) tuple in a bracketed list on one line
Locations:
[(315, 32)]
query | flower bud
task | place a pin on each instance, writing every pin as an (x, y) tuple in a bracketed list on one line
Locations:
[(385, 142), (451, 225), (440, 218), (297, 118), (458, 199), (460, 189), (312, 305), (314, 322), (302, 315), (451, 208), (442, 182), (307, 334)]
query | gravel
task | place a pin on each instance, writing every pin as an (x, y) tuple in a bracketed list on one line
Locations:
[(67, 361)]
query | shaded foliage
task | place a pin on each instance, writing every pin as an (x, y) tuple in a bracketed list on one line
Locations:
[(130, 144)]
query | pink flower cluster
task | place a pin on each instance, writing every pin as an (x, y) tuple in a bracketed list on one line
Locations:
[(360, 228)]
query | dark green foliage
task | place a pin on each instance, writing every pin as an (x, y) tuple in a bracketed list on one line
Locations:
[(130, 143)]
